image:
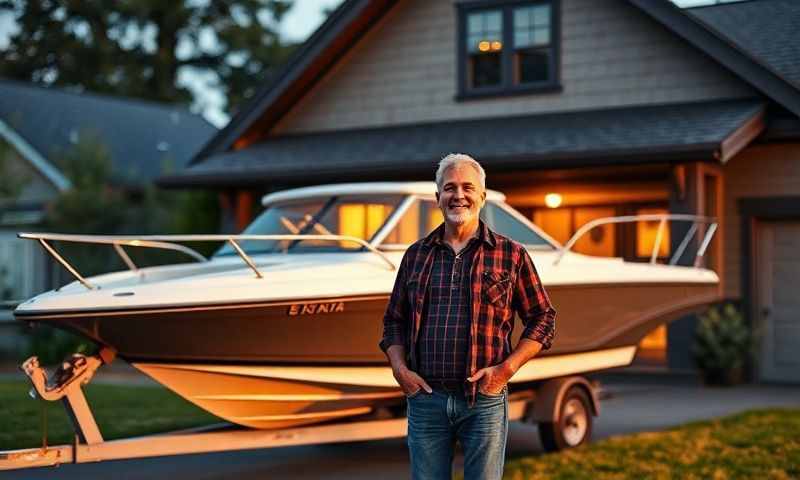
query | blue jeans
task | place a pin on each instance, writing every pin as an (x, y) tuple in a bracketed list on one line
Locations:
[(438, 419)]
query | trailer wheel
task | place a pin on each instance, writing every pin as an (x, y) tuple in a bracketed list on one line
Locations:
[(574, 425)]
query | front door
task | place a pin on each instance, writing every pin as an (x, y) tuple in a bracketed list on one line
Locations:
[(778, 303)]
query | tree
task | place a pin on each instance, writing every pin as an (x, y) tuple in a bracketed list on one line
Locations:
[(11, 183), (143, 48)]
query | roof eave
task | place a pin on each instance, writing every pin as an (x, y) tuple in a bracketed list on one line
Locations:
[(220, 179)]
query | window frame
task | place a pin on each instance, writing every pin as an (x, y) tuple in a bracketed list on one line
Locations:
[(507, 87)]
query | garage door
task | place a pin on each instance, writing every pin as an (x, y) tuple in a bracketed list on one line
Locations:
[(778, 280)]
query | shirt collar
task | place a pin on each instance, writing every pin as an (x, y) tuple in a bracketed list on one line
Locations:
[(485, 234)]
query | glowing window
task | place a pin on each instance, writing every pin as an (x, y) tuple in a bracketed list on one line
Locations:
[(647, 234)]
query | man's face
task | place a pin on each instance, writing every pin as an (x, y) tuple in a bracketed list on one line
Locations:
[(461, 195)]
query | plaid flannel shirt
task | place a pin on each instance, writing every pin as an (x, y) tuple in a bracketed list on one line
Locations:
[(504, 282)]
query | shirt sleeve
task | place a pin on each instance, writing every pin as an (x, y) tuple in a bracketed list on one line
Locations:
[(395, 320), (532, 304)]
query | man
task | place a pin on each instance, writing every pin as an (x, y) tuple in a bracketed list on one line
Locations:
[(448, 325)]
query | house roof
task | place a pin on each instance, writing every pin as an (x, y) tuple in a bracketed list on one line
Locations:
[(753, 57), (144, 138), (706, 130), (766, 30)]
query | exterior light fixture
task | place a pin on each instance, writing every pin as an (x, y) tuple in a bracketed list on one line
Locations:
[(496, 46), (484, 46), (552, 200)]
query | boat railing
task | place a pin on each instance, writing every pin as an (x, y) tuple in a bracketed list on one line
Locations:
[(662, 218), (169, 242)]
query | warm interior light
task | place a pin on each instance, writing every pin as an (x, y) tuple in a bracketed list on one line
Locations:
[(552, 200), (496, 46), (484, 46)]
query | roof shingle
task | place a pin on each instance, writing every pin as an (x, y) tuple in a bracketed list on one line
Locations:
[(644, 134)]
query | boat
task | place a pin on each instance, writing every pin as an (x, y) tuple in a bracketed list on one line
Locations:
[(280, 327)]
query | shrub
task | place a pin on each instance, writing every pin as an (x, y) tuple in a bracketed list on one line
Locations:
[(722, 345)]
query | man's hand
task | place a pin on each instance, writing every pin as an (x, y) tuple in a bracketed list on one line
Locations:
[(493, 379), (409, 381)]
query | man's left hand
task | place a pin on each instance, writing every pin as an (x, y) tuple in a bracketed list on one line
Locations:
[(493, 379)]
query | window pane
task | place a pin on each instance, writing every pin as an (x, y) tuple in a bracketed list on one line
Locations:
[(531, 66), (484, 69), (484, 31), (541, 15), (541, 37), (418, 221), (503, 223), (352, 215), (531, 26)]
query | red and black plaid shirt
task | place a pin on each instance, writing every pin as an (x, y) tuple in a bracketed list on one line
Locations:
[(504, 282)]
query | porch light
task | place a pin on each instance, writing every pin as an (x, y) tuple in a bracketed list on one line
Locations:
[(484, 46), (552, 200), (497, 46)]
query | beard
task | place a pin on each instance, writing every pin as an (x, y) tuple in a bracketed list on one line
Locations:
[(460, 218)]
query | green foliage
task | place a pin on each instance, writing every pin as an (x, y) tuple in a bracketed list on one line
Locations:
[(11, 184), (139, 48), (722, 344)]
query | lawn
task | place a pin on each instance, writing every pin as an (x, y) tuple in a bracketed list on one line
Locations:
[(120, 411), (756, 444)]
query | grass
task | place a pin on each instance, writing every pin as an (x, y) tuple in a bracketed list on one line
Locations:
[(762, 444), (120, 411)]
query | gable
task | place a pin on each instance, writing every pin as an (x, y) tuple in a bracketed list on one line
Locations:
[(404, 70)]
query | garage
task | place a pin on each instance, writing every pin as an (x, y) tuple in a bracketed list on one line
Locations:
[(777, 269)]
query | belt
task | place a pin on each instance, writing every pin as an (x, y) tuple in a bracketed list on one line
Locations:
[(447, 385)]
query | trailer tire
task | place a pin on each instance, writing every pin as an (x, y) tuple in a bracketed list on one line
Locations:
[(573, 426)]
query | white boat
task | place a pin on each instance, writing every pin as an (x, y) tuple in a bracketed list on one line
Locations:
[(281, 326)]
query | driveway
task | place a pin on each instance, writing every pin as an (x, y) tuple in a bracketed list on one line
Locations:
[(632, 403)]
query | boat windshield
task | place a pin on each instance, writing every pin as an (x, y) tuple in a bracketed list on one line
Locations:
[(358, 216), (424, 215)]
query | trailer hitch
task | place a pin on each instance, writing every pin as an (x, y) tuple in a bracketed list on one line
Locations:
[(65, 385)]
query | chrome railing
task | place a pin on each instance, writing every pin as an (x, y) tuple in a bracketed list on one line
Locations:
[(662, 218), (167, 242)]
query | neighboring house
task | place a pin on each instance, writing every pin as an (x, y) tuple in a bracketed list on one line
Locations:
[(617, 106), (37, 125)]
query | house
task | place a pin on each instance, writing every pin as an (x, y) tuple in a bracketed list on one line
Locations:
[(38, 124), (603, 107)]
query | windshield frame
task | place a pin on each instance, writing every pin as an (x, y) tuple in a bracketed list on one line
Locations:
[(552, 244)]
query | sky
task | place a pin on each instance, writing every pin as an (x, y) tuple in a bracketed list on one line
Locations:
[(304, 17)]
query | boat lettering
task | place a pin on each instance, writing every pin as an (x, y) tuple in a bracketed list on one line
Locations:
[(314, 308)]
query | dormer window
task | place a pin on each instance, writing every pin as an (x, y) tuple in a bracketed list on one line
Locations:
[(507, 47)]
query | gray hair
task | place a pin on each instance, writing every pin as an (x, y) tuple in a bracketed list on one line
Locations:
[(455, 159)]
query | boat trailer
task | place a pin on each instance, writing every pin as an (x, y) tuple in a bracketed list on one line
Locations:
[(563, 408)]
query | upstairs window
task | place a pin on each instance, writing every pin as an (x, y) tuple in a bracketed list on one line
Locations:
[(507, 48)]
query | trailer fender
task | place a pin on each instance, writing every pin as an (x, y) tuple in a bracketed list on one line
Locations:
[(551, 393)]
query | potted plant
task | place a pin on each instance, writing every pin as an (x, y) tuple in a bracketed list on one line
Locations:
[(722, 345)]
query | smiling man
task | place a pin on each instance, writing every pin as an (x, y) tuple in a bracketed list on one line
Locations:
[(447, 330)]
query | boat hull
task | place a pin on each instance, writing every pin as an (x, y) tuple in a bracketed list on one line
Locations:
[(346, 330)]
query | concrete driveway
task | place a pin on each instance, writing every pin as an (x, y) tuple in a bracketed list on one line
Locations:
[(632, 403)]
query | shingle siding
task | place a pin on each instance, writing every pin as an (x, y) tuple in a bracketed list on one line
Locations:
[(759, 171), (404, 70)]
